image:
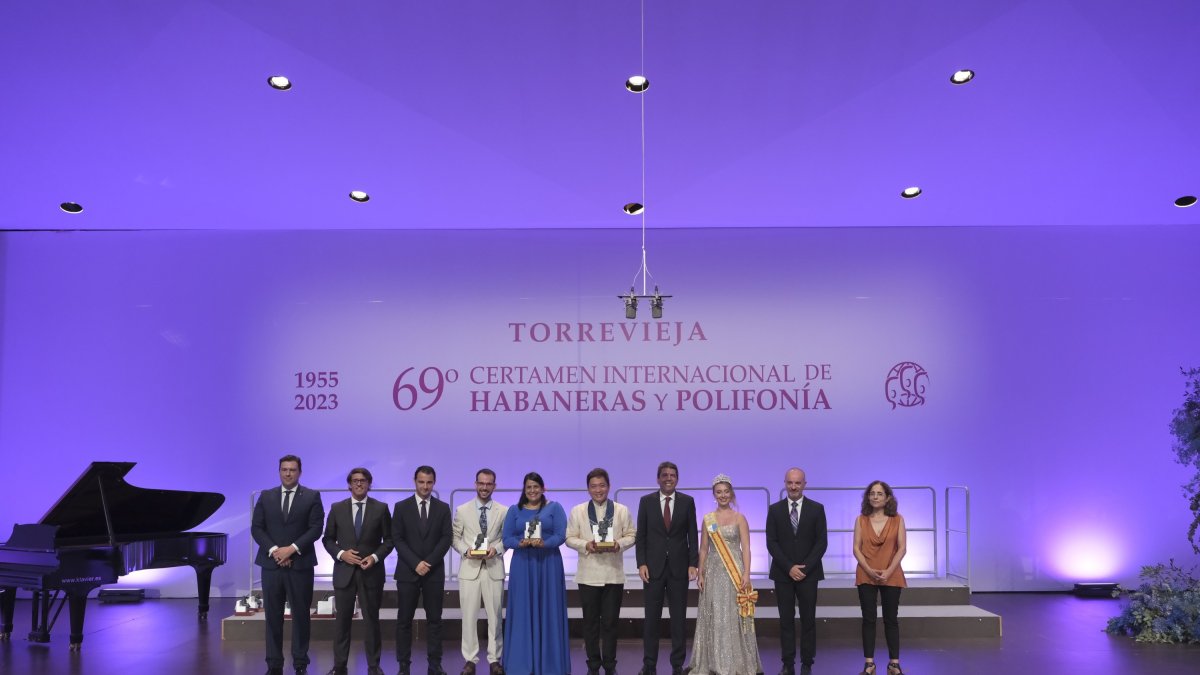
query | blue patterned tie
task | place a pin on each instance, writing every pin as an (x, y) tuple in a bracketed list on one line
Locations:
[(358, 521), (483, 519), (795, 519)]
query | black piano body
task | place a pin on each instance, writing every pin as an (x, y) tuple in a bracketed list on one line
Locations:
[(101, 529)]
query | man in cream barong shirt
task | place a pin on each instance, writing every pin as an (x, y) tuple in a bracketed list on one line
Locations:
[(600, 573)]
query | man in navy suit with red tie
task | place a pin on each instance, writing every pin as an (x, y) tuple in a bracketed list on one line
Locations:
[(286, 523), (796, 539), (667, 556), (358, 536), (421, 531)]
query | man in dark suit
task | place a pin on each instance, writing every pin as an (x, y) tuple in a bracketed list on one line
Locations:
[(796, 539), (421, 531), (286, 523), (358, 535), (667, 555)]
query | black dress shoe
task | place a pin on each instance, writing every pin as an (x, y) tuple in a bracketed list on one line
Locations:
[(301, 670), (789, 669), (646, 671), (274, 671), (495, 668), (806, 669), (375, 670), (336, 671)]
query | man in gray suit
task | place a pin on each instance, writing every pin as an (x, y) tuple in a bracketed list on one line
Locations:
[(481, 576), (286, 523), (358, 535)]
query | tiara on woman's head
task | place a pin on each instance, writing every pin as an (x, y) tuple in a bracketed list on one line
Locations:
[(722, 478)]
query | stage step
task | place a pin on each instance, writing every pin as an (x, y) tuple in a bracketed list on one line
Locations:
[(834, 593), (928, 608)]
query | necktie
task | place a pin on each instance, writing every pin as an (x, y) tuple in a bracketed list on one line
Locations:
[(358, 521), (795, 518), (667, 513), (287, 502), (483, 519), (424, 514)]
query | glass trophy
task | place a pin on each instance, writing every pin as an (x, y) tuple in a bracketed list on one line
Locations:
[(533, 529), (480, 549), (602, 534)]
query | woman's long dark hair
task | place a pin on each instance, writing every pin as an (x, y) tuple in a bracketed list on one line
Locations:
[(531, 476), (889, 507)]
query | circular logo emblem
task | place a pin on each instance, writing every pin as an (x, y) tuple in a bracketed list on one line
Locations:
[(906, 384)]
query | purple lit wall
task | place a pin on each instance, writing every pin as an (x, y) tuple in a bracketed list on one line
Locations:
[(1051, 356)]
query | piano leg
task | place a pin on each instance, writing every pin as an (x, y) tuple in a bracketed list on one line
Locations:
[(41, 616), (203, 585), (8, 601), (78, 603)]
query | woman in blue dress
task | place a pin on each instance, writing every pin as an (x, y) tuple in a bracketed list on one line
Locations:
[(535, 621)]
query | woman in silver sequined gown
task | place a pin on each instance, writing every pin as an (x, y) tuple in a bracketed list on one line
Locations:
[(725, 643)]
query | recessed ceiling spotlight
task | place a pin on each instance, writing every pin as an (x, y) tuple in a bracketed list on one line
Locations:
[(633, 208), (359, 195), (70, 207), (910, 192), (637, 84), (962, 76), (279, 82), (1185, 201)]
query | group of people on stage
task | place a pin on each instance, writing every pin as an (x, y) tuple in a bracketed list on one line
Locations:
[(670, 550)]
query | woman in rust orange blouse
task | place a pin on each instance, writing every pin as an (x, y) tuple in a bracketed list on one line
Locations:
[(880, 543)]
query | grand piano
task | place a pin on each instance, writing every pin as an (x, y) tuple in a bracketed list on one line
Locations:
[(103, 528)]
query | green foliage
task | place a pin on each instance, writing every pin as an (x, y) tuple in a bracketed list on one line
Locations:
[(1185, 426), (1165, 608)]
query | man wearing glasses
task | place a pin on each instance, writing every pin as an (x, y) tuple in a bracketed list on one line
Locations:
[(358, 535)]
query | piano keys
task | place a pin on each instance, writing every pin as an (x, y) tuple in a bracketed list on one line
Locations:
[(101, 529)]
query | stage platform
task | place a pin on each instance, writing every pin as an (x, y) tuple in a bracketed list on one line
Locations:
[(928, 608), (1043, 633)]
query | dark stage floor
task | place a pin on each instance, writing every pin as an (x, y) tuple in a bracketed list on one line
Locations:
[(1042, 634)]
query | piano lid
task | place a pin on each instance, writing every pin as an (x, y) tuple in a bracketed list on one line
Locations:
[(134, 512)]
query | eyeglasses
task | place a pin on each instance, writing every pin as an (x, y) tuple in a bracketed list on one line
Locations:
[(360, 481)]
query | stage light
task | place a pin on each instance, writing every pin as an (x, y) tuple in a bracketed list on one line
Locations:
[(962, 76), (633, 208), (359, 196), (1185, 201), (631, 303), (70, 207), (637, 84), (910, 192), (1098, 589), (279, 82), (656, 304)]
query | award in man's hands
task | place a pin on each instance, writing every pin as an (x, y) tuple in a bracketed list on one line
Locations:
[(480, 549), (602, 535)]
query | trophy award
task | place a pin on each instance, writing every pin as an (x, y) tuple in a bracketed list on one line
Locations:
[(480, 549), (533, 529), (602, 534)]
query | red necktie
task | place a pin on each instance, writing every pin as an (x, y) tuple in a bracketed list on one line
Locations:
[(667, 513)]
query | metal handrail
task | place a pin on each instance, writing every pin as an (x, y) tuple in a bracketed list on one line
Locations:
[(454, 562), (254, 545), (706, 488), (850, 531), (966, 531)]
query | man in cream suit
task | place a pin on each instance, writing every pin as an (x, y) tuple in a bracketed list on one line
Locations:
[(481, 576), (600, 529)]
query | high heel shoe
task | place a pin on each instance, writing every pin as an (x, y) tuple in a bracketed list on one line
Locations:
[(894, 669), (868, 668)]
